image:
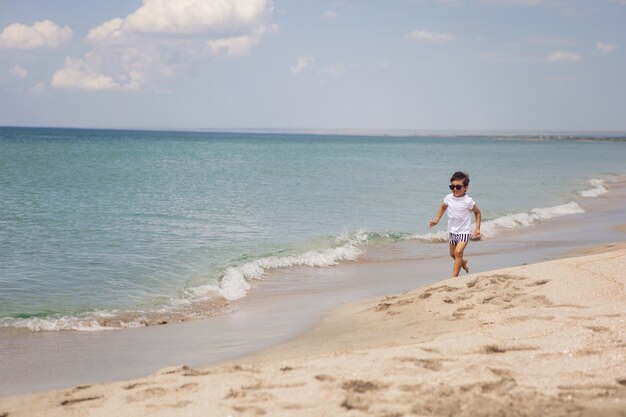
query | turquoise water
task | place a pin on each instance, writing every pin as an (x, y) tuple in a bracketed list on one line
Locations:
[(95, 223)]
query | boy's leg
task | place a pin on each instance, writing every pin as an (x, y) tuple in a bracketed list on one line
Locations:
[(456, 252), (455, 271)]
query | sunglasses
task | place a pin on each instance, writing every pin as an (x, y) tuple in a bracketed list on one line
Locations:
[(456, 187)]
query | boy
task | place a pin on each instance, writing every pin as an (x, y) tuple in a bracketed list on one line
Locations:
[(459, 219)]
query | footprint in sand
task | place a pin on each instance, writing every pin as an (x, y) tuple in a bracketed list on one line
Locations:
[(188, 387), (325, 378), (360, 386), (147, 394), (538, 283), (501, 372), (491, 349), (433, 364), (504, 385), (383, 306), (184, 371), (133, 385), (460, 312), (536, 301), (252, 410), (359, 394), (597, 329), (79, 400)]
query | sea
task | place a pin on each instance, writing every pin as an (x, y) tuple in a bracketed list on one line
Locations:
[(112, 229)]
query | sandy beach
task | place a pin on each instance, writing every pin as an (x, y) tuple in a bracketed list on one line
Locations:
[(541, 339)]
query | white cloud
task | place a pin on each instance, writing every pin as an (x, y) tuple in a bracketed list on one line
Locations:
[(19, 72), (42, 34), (213, 19), (563, 56), (301, 63), (108, 31), (195, 16), (333, 70), (238, 45), (330, 14), (422, 35), (605, 48), (79, 74), (162, 39)]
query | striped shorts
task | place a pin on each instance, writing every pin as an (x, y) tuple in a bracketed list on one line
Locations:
[(455, 238)]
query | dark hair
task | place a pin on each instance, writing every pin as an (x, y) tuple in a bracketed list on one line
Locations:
[(458, 176)]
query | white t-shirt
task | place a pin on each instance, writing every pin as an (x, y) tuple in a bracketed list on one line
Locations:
[(459, 213)]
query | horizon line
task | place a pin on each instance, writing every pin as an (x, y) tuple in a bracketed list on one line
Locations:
[(392, 132)]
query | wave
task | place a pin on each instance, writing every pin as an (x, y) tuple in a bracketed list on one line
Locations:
[(512, 221), (58, 323), (597, 190), (178, 311), (235, 281), (490, 228)]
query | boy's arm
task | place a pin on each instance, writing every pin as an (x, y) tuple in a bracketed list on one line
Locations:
[(440, 212), (476, 211)]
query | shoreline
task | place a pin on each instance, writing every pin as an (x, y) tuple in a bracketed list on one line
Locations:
[(355, 245), (453, 347), (283, 307)]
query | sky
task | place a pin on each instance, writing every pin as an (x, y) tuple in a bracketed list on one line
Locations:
[(422, 65)]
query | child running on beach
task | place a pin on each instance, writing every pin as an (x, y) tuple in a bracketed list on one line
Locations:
[(459, 206)]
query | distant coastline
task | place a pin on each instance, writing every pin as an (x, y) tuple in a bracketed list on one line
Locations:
[(394, 133)]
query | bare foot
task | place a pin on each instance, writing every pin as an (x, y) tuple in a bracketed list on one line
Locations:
[(465, 267)]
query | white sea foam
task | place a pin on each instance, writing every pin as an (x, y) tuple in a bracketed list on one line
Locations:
[(49, 324), (235, 283), (439, 236), (512, 221), (597, 190)]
